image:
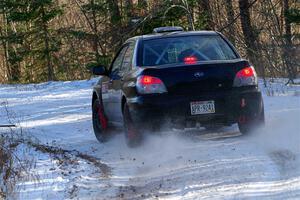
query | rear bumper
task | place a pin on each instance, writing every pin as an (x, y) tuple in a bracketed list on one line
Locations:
[(229, 106)]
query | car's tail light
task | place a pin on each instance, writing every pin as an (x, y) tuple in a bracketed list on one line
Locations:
[(190, 60), (150, 85), (245, 77)]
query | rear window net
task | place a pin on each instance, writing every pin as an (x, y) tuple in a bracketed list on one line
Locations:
[(176, 49)]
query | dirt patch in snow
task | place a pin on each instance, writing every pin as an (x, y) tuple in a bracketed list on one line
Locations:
[(66, 157)]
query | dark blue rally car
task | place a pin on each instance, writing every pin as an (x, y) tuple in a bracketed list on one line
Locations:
[(175, 77)]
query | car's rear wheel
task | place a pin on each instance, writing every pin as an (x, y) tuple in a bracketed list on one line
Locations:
[(100, 123), (133, 135), (247, 126)]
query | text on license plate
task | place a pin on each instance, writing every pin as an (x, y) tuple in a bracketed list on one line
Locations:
[(202, 107)]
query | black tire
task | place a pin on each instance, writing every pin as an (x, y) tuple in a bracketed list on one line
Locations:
[(100, 125), (252, 125), (133, 135)]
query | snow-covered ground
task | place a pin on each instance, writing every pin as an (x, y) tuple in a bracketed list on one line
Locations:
[(190, 164)]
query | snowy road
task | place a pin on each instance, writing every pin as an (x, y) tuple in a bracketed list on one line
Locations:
[(191, 164)]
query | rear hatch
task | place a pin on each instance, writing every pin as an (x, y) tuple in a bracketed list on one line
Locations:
[(197, 79)]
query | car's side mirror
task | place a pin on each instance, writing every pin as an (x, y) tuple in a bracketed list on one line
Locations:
[(99, 70)]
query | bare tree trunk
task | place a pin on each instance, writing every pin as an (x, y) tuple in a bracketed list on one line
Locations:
[(115, 19), (230, 19), (206, 10), (3, 33), (253, 48), (47, 48), (13, 67), (287, 27), (95, 30), (129, 9), (114, 11), (143, 7), (288, 43), (248, 32), (143, 3)]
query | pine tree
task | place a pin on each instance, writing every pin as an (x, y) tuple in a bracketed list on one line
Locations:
[(291, 15), (95, 13), (43, 36), (28, 34), (12, 35)]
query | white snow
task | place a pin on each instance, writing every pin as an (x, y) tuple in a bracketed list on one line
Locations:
[(190, 164)]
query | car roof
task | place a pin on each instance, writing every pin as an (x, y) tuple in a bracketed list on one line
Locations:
[(173, 34)]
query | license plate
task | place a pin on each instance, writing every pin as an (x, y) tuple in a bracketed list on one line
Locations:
[(202, 107)]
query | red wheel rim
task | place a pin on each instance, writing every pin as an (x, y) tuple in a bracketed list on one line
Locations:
[(102, 118), (242, 119), (131, 132)]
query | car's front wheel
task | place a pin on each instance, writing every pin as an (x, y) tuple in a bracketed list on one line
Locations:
[(100, 123), (133, 135)]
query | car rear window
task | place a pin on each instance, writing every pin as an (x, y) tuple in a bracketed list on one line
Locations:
[(186, 50)]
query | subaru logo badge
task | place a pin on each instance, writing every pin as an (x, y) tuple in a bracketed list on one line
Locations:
[(199, 74)]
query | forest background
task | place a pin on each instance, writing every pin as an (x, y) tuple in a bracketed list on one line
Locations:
[(47, 40)]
